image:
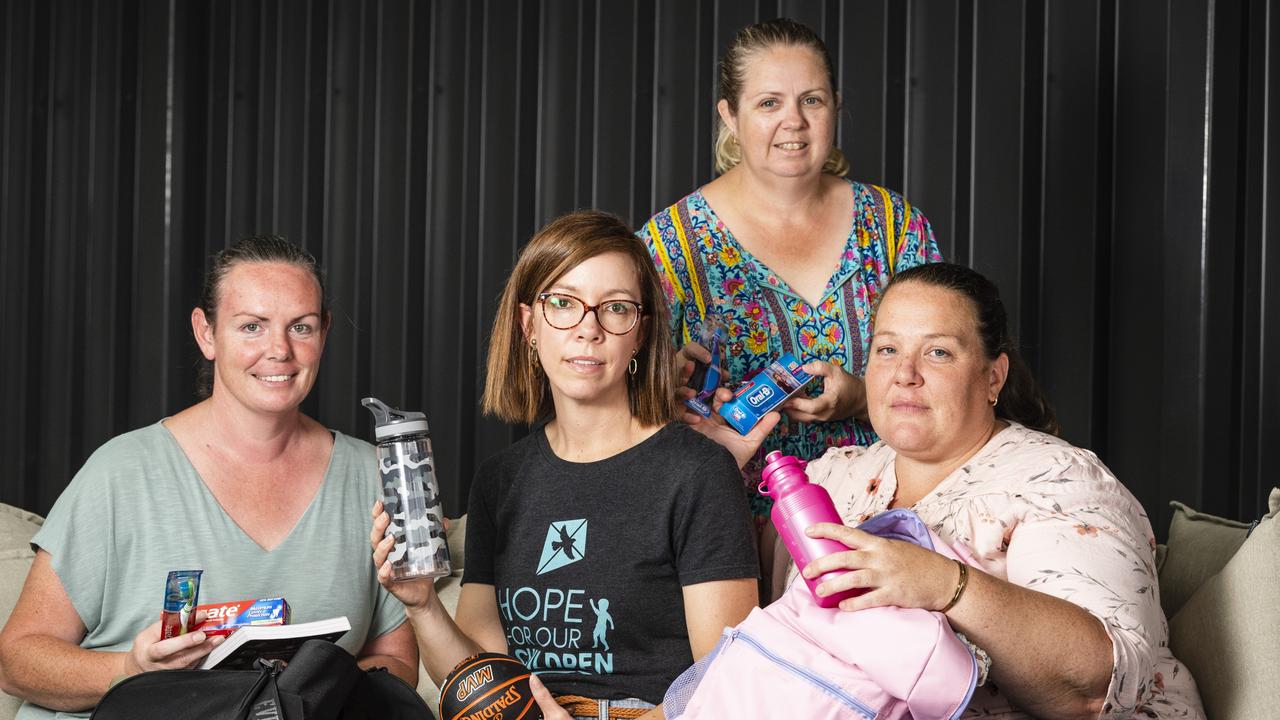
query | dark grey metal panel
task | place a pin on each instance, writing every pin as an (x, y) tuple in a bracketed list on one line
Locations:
[(1062, 147), (931, 114), (1133, 398), (996, 198), (1072, 173), (677, 97), (863, 55), (615, 109), (1185, 248), (1263, 151)]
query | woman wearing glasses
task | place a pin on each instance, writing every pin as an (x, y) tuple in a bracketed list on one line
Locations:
[(609, 548)]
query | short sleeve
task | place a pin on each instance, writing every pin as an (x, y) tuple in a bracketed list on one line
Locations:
[(713, 536), (675, 306), (917, 245), (1092, 547), (481, 528), (82, 559)]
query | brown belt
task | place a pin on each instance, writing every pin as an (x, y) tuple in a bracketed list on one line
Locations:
[(580, 706)]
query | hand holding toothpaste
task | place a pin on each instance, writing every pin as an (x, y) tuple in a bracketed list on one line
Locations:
[(843, 396), (149, 652)]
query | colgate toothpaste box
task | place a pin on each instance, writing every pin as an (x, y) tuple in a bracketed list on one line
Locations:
[(226, 618), (764, 392)]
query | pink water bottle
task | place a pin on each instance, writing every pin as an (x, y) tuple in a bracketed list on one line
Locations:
[(797, 504)]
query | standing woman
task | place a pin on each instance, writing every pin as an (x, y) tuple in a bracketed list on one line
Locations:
[(267, 501), (611, 546), (781, 251)]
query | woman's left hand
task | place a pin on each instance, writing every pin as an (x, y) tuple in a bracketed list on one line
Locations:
[(551, 709), (843, 396), (894, 572)]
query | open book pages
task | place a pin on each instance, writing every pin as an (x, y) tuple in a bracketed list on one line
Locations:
[(271, 642)]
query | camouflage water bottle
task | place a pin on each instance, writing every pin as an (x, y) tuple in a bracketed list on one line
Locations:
[(410, 492)]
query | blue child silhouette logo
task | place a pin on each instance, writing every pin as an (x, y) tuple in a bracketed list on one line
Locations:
[(604, 622), (566, 544)]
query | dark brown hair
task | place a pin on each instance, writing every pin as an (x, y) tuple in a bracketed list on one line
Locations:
[(514, 389), (252, 249), (733, 69), (1021, 399)]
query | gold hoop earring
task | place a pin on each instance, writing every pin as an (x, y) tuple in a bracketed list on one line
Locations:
[(633, 365), (993, 402)]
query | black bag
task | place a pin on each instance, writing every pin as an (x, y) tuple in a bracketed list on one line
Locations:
[(321, 682)]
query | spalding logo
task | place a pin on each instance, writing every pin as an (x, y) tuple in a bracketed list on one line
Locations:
[(494, 712), (761, 396), (474, 680)]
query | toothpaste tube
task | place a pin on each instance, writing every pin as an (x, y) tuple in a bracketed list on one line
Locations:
[(226, 618), (764, 392), (181, 594), (706, 378)]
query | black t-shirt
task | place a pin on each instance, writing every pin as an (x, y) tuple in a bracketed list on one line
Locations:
[(588, 559)]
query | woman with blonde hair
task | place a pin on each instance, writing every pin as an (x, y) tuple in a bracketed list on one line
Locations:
[(781, 252), (608, 548)]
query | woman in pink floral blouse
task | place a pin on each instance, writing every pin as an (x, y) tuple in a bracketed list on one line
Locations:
[(1061, 593)]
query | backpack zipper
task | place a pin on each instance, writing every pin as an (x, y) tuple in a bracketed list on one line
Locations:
[(815, 679)]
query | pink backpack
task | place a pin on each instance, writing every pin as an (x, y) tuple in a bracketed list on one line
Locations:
[(795, 659)]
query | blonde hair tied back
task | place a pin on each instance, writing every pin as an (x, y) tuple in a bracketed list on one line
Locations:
[(748, 41)]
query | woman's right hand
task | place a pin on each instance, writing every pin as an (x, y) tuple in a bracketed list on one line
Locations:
[(149, 652), (742, 447), (414, 594)]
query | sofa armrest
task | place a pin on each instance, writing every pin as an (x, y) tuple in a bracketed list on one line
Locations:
[(16, 528)]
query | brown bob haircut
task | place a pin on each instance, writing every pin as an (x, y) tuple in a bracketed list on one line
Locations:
[(517, 391)]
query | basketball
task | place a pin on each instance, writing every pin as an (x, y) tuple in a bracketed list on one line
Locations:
[(488, 686)]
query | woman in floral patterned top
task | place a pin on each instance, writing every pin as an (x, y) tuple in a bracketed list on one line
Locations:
[(809, 250), (1060, 591)]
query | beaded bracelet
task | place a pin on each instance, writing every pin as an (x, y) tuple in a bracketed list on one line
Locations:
[(964, 580)]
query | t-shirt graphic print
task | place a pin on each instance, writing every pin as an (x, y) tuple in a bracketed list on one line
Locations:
[(605, 618), (547, 627)]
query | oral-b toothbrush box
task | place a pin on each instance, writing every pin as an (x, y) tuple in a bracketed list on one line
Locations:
[(764, 392)]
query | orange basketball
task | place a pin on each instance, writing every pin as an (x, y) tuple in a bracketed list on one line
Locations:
[(488, 686)]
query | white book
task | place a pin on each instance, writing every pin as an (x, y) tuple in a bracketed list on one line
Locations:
[(271, 642)]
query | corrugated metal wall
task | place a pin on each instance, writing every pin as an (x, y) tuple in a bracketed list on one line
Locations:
[(1109, 162)]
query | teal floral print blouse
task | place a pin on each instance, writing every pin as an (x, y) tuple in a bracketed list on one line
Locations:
[(710, 280)]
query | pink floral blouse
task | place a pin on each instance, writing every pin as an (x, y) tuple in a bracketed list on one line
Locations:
[(1043, 514)]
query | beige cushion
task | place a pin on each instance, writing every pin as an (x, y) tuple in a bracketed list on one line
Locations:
[(16, 528), (1199, 546), (1228, 632)]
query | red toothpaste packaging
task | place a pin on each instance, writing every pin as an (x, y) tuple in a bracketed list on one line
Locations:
[(226, 618)]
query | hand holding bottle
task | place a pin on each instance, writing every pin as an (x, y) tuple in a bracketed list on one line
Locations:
[(414, 593), (797, 505)]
